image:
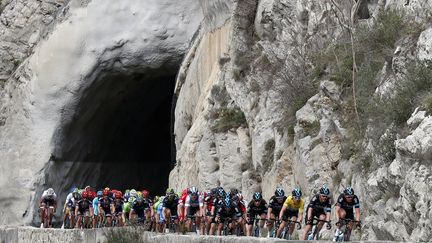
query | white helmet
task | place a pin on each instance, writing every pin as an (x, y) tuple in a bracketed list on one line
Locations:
[(133, 193), (50, 192), (193, 190)]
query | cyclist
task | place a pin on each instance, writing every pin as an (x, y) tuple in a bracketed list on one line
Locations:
[(83, 209), (106, 206), (182, 200), (239, 203), (208, 206), (256, 208), (193, 207), (292, 210), (226, 211), (149, 205), (126, 210), (69, 207), (96, 215), (118, 207), (275, 205), (169, 207), (160, 220), (48, 202), (345, 205), (319, 207)]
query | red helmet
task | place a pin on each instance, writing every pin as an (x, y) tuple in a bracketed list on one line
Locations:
[(84, 194), (105, 192), (118, 195), (145, 193)]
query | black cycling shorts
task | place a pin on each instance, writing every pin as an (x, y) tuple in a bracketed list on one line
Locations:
[(107, 212), (192, 211), (315, 214), (289, 214)]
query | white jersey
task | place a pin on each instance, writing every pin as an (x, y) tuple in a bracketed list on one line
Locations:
[(190, 203), (45, 195)]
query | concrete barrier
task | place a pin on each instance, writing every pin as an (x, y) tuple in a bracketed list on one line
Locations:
[(108, 235)]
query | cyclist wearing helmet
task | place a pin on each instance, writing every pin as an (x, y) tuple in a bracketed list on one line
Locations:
[(181, 204), (83, 209), (96, 215), (149, 210), (226, 211), (126, 210), (169, 207), (319, 207), (193, 207), (160, 220), (256, 208), (292, 210), (275, 205), (106, 206), (345, 205), (48, 202), (69, 207), (118, 207)]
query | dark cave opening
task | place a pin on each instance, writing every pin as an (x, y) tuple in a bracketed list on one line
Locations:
[(117, 135)]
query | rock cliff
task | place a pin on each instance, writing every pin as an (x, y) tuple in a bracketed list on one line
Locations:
[(266, 99)]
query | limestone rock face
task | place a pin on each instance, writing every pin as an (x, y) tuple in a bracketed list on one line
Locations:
[(257, 59), (61, 49)]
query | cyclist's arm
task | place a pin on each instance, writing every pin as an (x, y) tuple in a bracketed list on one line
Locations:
[(309, 213), (269, 210), (357, 213), (281, 213)]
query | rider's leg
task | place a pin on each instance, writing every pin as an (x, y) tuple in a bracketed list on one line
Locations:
[(281, 226), (306, 230), (270, 222), (292, 226), (321, 224)]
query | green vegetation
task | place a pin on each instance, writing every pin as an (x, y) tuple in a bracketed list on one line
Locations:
[(374, 46), (228, 118), (311, 129)]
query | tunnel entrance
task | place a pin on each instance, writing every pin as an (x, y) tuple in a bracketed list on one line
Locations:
[(118, 135)]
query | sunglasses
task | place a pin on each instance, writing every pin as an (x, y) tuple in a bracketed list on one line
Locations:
[(297, 198), (349, 197), (324, 196)]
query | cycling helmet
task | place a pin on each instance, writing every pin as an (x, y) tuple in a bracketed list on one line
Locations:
[(324, 191), (213, 191), (257, 196), (74, 189), (296, 193), (104, 193), (145, 193), (349, 191), (133, 193), (50, 192), (169, 191), (99, 194), (227, 202), (87, 188), (221, 192), (84, 194), (118, 195), (279, 193), (126, 196), (107, 188), (193, 189)]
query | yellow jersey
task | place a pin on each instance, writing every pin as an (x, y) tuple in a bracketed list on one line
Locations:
[(293, 206)]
